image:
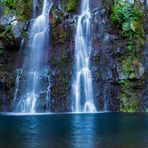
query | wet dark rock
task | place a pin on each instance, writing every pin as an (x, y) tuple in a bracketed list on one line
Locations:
[(8, 19), (108, 61), (145, 96), (17, 28), (7, 80)]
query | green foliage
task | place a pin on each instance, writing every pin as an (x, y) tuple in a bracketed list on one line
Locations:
[(130, 46), (130, 67), (24, 9), (121, 82), (9, 6), (8, 36), (7, 32), (130, 85), (20, 8), (130, 100), (71, 5), (128, 18), (10, 3)]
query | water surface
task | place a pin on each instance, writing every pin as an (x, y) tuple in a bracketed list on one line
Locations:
[(109, 130)]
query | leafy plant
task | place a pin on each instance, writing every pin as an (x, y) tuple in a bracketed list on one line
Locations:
[(71, 5), (9, 3), (130, 46), (22, 9), (128, 18)]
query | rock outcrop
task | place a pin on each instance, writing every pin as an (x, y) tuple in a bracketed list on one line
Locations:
[(118, 63)]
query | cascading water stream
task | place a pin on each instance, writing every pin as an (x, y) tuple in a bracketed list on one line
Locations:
[(17, 82), (82, 88), (34, 7), (37, 61)]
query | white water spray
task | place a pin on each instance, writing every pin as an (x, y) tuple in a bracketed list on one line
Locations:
[(82, 88), (38, 45), (34, 2)]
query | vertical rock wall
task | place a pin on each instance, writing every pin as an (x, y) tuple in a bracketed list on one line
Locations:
[(119, 73)]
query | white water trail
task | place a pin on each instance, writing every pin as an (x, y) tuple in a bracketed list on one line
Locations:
[(82, 88), (38, 43), (34, 2), (17, 82)]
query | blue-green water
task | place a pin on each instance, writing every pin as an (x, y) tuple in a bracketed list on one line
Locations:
[(111, 130)]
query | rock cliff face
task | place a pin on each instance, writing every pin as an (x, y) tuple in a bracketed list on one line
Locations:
[(118, 72), (145, 97), (118, 63)]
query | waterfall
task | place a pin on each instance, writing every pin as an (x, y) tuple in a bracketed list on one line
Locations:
[(17, 82), (34, 2), (37, 69), (82, 87)]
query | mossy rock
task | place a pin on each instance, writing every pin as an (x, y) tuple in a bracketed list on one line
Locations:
[(131, 83), (8, 39), (22, 9), (129, 97), (70, 5), (57, 21), (128, 19), (132, 68)]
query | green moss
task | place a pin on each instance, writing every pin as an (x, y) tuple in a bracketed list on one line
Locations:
[(130, 101), (128, 18), (70, 5), (130, 67), (59, 34), (9, 6), (131, 84), (1, 67), (61, 63), (1, 51), (121, 82), (8, 36), (22, 9), (130, 46), (7, 30)]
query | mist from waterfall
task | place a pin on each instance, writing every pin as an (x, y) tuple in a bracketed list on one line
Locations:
[(37, 67), (82, 85)]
